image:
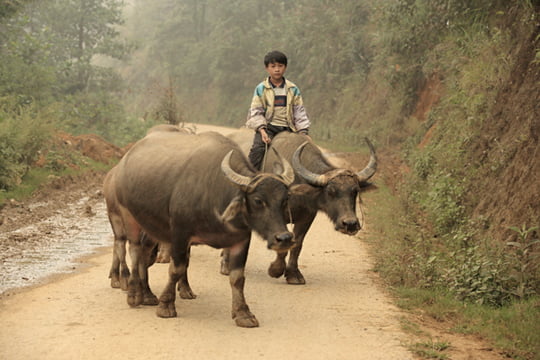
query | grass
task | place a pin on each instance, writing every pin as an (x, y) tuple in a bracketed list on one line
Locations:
[(513, 329), (430, 349), (38, 176), (30, 182)]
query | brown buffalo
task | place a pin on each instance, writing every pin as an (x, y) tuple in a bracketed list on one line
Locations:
[(319, 186)]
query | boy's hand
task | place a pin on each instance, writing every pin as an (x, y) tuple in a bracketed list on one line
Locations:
[(264, 136), (305, 134)]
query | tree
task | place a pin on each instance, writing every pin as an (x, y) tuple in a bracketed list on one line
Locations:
[(10, 7), (83, 30), (55, 52)]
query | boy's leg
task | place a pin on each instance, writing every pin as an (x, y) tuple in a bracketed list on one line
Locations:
[(256, 154)]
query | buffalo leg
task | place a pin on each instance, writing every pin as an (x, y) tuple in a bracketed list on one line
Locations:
[(292, 273), (163, 255), (278, 267), (138, 265), (119, 273), (149, 252), (184, 290), (225, 258), (240, 310), (177, 270)]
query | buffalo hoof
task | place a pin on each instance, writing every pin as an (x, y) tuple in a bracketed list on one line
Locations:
[(150, 300), (115, 282), (246, 320), (163, 258), (276, 269), (294, 277), (224, 269), (124, 283), (187, 294), (134, 300), (134, 296), (166, 310)]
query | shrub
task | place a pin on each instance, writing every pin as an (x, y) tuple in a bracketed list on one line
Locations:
[(23, 132)]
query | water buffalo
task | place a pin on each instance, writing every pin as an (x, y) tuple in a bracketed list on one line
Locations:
[(319, 185), (182, 190), (119, 273)]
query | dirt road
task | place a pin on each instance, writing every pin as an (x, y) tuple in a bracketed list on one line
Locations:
[(340, 313)]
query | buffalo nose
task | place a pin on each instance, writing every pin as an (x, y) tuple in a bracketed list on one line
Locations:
[(351, 225), (284, 237)]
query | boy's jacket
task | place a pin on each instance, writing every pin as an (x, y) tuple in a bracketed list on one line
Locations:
[(262, 107)]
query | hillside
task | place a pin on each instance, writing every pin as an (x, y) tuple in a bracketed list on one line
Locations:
[(507, 152)]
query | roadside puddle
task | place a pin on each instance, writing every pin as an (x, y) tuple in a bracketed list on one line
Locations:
[(53, 245)]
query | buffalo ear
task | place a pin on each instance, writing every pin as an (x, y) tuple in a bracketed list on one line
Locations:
[(368, 186), (233, 216), (277, 167), (304, 190)]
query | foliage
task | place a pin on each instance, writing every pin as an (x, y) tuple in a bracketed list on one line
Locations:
[(437, 193), (524, 259), (55, 52), (77, 32), (10, 7), (23, 133), (473, 276), (102, 114)]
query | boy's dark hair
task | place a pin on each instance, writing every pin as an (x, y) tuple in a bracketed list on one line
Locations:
[(275, 57)]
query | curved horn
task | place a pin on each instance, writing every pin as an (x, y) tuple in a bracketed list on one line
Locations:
[(232, 175), (288, 173), (371, 167), (310, 177)]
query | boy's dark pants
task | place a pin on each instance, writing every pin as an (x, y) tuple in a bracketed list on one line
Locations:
[(256, 154)]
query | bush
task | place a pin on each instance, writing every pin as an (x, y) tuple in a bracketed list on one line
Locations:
[(23, 133), (101, 114), (473, 276)]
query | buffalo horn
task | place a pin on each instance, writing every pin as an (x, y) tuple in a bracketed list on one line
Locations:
[(288, 173), (310, 177), (232, 175), (371, 167)]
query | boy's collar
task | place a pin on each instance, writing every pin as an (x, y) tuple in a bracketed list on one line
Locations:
[(273, 86)]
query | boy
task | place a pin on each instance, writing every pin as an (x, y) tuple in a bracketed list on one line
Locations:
[(276, 106)]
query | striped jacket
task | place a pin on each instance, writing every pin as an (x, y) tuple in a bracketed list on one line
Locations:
[(262, 107)]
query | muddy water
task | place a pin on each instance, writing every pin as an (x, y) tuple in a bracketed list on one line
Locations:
[(53, 245)]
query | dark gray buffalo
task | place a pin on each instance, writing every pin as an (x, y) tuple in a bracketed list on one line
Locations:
[(119, 273), (183, 190), (318, 185)]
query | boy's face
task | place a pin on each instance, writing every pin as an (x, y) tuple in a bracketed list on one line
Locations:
[(276, 71)]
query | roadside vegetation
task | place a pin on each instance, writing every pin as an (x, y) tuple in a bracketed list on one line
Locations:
[(448, 88)]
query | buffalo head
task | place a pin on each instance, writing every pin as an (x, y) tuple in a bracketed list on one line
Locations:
[(336, 189), (262, 204)]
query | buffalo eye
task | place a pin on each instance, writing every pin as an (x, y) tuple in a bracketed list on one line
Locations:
[(332, 191), (258, 202)]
